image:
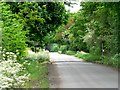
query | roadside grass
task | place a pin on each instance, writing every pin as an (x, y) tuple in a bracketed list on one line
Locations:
[(87, 56), (36, 67), (69, 52), (109, 61), (38, 75)]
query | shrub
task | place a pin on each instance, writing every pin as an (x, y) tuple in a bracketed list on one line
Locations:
[(63, 48), (39, 56), (114, 61), (70, 52), (11, 72), (87, 56), (38, 75), (59, 52), (95, 50), (54, 47), (13, 36), (79, 54)]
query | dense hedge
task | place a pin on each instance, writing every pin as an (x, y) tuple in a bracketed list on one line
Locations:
[(13, 36)]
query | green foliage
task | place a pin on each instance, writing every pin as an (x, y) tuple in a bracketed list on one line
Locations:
[(87, 56), (36, 66), (101, 30), (95, 51), (77, 32), (112, 61), (54, 47), (38, 75), (71, 34), (49, 38), (13, 36), (69, 52), (39, 56), (63, 48), (94, 29), (40, 18), (0, 28)]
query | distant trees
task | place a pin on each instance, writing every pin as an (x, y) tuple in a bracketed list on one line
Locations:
[(94, 29)]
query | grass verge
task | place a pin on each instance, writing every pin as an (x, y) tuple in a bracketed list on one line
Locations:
[(38, 75), (87, 56), (109, 61), (70, 52)]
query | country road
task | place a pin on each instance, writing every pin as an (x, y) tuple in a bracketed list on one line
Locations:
[(70, 72)]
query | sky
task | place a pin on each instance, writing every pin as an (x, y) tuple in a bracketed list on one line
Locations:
[(76, 7)]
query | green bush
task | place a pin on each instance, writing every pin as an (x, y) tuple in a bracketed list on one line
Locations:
[(63, 48), (95, 50), (114, 61), (35, 49), (79, 54), (13, 36), (87, 56), (70, 52), (54, 47), (38, 74)]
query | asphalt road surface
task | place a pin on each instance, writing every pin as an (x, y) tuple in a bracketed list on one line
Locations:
[(70, 72)]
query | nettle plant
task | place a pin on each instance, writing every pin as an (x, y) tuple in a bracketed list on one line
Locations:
[(11, 75)]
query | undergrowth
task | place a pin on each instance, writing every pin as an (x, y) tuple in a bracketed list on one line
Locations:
[(38, 75)]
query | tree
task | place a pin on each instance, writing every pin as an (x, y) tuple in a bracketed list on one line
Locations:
[(77, 32), (40, 18), (103, 20)]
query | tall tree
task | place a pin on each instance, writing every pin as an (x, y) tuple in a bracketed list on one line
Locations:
[(40, 17)]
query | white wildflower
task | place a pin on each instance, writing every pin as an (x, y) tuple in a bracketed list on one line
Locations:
[(7, 53), (8, 74), (17, 51), (4, 55), (28, 63)]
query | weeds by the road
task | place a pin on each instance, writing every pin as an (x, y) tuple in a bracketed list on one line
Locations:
[(69, 52), (110, 61), (38, 75), (87, 56), (36, 66)]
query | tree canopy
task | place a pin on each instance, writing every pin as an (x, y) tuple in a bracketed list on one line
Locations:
[(39, 18)]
